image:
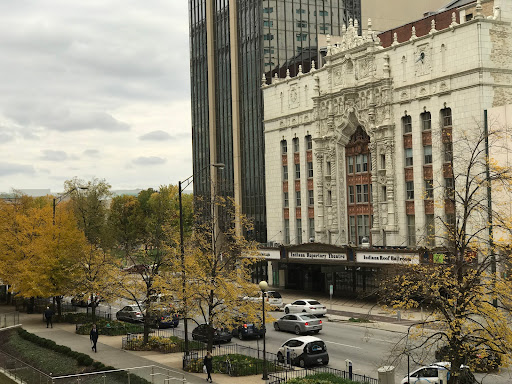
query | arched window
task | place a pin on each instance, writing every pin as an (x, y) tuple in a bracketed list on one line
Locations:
[(446, 117), (426, 121), (407, 124)]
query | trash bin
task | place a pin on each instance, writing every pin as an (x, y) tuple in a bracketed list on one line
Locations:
[(386, 374)]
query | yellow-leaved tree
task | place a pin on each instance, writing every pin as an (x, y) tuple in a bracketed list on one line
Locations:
[(465, 287), (38, 254), (218, 268)]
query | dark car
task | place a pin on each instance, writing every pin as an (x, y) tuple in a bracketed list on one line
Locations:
[(247, 331), (484, 361), (165, 319), (200, 333), (130, 313)]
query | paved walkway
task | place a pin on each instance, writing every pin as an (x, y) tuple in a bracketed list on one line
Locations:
[(110, 352)]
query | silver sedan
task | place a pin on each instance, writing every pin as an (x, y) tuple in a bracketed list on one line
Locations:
[(298, 323)]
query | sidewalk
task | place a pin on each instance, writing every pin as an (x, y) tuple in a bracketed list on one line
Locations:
[(110, 352)]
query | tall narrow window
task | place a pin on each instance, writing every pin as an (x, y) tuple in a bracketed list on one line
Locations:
[(286, 231), (446, 116), (426, 122), (409, 187), (310, 169), (365, 193), (297, 198), (449, 188), (363, 227), (286, 202), (448, 152), (382, 161), (329, 170), (351, 164), (309, 142), (296, 145), (407, 124), (311, 230), (284, 147), (311, 198), (328, 200), (430, 230), (352, 229), (297, 171), (359, 163), (359, 193), (411, 231), (429, 189), (427, 152), (285, 172), (351, 195), (365, 162), (299, 231), (408, 157)]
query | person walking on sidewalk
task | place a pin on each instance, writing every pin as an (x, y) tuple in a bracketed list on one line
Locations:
[(208, 365), (48, 313), (94, 337)]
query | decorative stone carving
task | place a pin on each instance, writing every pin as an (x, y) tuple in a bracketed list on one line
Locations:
[(423, 59), (294, 97)]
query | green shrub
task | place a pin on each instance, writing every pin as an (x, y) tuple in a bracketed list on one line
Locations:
[(84, 360), (321, 378)]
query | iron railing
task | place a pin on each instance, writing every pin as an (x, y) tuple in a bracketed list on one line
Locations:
[(20, 371), (9, 319), (285, 375)]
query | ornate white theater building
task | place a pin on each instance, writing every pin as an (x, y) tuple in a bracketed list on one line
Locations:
[(360, 150)]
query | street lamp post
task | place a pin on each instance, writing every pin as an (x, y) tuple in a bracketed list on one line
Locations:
[(264, 286), (181, 186)]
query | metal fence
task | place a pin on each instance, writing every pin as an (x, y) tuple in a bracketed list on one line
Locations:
[(137, 375), (193, 362), (285, 375), (9, 319), (21, 372)]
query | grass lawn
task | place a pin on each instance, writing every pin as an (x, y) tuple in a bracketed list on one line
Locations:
[(41, 358), (5, 380)]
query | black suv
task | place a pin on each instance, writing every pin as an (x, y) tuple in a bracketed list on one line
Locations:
[(247, 331)]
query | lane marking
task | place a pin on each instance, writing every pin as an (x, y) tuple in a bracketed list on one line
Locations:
[(385, 341), (343, 345)]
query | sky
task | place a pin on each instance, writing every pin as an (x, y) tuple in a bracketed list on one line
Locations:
[(94, 89)]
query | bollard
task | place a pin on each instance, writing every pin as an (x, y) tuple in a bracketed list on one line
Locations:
[(348, 364), (398, 315), (387, 374)]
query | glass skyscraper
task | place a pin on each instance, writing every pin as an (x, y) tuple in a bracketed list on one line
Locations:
[(232, 45)]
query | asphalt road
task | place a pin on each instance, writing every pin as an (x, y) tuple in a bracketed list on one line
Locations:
[(367, 348)]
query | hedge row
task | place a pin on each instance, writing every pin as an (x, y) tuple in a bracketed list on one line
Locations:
[(81, 358)]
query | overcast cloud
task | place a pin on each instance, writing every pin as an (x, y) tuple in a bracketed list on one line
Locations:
[(98, 88)]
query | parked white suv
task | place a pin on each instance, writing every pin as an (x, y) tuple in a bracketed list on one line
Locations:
[(303, 351), (433, 373), (272, 298)]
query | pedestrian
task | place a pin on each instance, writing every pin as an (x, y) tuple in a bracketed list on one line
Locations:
[(208, 365), (48, 314), (94, 337)]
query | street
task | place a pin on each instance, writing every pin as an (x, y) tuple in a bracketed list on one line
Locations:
[(367, 347)]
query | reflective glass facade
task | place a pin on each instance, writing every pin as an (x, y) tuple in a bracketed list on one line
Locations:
[(272, 35)]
